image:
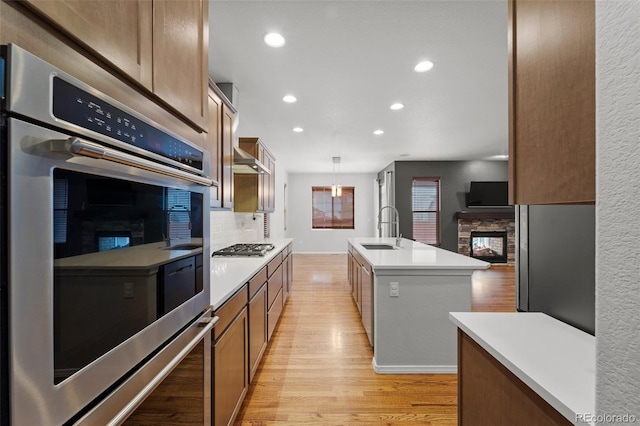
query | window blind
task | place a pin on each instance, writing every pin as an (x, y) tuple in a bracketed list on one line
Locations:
[(426, 210)]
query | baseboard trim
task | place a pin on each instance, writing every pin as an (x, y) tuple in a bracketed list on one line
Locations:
[(414, 369)]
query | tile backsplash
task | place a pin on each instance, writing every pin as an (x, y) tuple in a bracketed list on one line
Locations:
[(228, 227)]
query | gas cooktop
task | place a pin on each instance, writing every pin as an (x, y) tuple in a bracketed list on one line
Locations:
[(254, 249)]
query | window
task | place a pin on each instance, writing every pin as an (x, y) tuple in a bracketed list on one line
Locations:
[(425, 194), (332, 212)]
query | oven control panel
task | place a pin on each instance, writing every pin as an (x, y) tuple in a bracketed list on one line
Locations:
[(76, 106)]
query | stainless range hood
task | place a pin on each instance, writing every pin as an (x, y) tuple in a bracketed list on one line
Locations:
[(245, 163)]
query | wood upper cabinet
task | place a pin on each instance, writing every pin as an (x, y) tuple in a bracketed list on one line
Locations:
[(551, 101), (228, 125), (256, 192), (180, 59), (269, 183), (121, 31), (220, 145), (214, 145), (161, 45)]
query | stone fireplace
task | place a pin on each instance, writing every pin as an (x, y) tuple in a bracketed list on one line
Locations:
[(490, 229)]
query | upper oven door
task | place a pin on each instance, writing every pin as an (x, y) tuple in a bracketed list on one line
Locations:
[(86, 252)]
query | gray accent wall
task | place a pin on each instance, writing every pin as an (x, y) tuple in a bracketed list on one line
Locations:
[(455, 177)]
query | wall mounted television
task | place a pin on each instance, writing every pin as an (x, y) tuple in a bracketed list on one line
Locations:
[(488, 194)]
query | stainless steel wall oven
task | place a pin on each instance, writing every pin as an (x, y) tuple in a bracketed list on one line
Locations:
[(103, 220)]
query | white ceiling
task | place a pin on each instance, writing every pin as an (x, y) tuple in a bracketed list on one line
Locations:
[(348, 61)]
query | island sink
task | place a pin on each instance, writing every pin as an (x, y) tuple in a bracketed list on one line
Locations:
[(378, 246)]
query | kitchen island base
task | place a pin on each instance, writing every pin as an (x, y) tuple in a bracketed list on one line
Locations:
[(413, 333)]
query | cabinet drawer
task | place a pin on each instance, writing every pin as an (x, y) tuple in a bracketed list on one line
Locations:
[(274, 286), (229, 311), (274, 314), (256, 282), (274, 263)]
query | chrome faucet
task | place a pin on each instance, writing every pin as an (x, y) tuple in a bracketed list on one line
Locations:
[(182, 209), (396, 221)]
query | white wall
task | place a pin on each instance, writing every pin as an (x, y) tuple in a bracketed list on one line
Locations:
[(617, 207), (307, 240)]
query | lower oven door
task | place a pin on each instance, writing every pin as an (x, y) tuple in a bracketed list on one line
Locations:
[(86, 244)]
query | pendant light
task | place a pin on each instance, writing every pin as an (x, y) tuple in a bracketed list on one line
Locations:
[(336, 189)]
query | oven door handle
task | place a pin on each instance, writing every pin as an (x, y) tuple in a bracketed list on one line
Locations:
[(77, 146)]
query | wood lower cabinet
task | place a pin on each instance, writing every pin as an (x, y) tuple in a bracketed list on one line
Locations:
[(247, 322), (160, 45), (220, 145), (257, 329), (287, 269), (356, 282), (230, 358), (366, 298), (360, 275), (487, 390), (273, 315), (551, 102), (275, 291)]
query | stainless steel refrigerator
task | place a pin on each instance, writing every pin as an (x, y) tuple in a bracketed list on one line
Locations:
[(555, 262)]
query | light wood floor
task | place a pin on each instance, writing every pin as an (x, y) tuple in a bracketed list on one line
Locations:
[(317, 369)]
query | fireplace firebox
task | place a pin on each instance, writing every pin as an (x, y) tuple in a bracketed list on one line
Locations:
[(489, 246)]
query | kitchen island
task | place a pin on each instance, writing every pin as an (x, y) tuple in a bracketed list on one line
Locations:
[(525, 365), (406, 300)]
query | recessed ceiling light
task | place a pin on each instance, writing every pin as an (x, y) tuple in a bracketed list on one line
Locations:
[(298, 129), (289, 99), (423, 66), (274, 40), (396, 106), (405, 155), (378, 132)]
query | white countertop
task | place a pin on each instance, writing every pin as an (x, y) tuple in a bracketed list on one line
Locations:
[(414, 255), (554, 359), (144, 256), (228, 274)]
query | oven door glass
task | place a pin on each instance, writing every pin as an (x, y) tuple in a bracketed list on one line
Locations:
[(113, 273)]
